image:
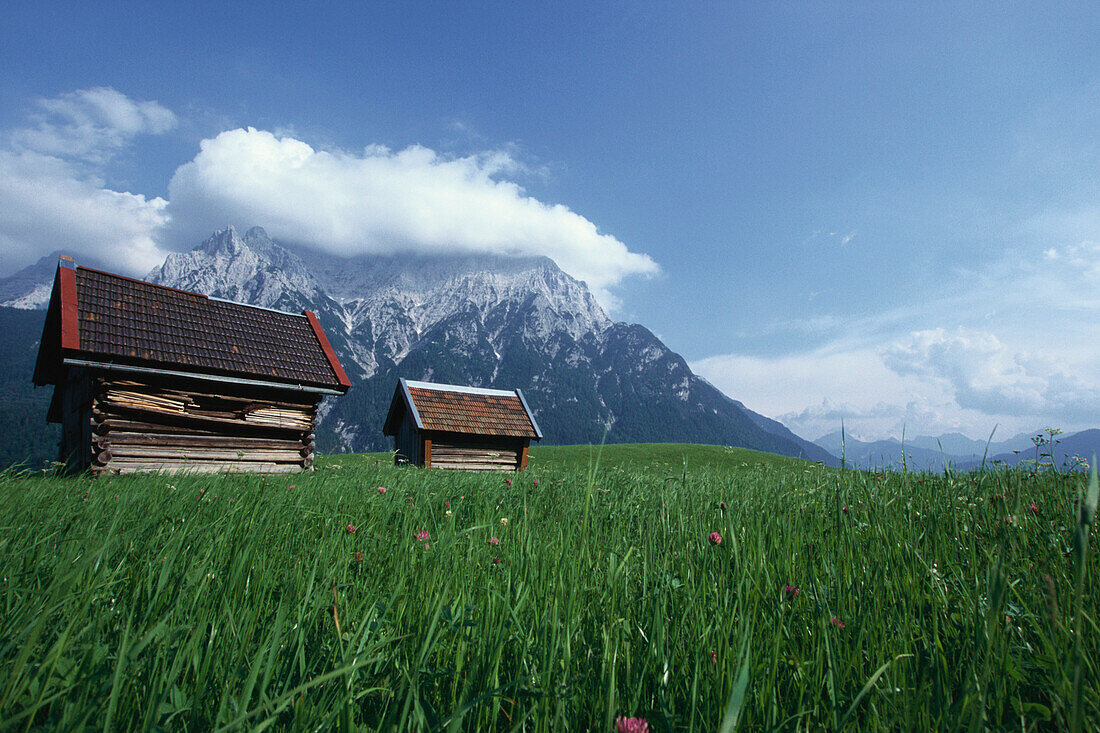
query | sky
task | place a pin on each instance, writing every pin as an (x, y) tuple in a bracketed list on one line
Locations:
[(881, 215)]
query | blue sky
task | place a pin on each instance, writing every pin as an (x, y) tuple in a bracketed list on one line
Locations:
[(883, 213)]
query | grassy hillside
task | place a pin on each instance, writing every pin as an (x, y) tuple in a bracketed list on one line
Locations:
[(775, 593), (654, 458)]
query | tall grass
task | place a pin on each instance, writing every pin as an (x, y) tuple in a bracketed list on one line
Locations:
[(835, 599)]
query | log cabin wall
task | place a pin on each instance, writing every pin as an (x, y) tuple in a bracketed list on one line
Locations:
[(475, 453), (168, 426)]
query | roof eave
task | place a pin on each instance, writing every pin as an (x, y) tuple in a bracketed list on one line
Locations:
[(530, 415), (91, 362), (326, 347)]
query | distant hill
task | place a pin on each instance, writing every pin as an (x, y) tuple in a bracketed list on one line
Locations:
[(1083, 445), (27, 437), (926, 453)]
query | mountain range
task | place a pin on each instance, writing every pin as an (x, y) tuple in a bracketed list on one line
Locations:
[(488, 321), (956, 451)]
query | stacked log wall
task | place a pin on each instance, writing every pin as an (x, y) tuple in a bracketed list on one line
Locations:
[(138, 426), (475, 454)]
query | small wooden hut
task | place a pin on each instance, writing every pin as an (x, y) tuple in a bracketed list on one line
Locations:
[(151, 378), (469, 428)]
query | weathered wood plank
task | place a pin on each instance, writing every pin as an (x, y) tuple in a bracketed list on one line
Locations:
[(204, 454), (304, 404), (209, 441), (472, 466), (105, 426), (482, 457), (190, 467), (189, 418)]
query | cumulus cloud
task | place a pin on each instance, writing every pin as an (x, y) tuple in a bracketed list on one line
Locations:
[(52, 192), (985, 375), (91, 124), (385, 201), (47, 204)]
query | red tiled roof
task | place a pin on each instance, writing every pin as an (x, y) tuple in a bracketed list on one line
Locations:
[(471, 411), (119, 318)]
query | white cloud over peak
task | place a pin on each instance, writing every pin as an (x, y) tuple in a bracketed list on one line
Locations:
[(91, 124), (53, 196), (384, 201)]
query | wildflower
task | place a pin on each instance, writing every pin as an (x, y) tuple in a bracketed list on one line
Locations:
[(201, 491), (844, 508), (535, 482), (381, 489), (836, 622), (351, 529), (426, 545), (507, 482), (359, 556), (447, 513), (715, 538), (494, 541), (291, 487), (504, 521), (713, 656), (631, 725), (792, 592), (1034, 508), (446, 505), (722, 506), (422, 536), (496, 561)]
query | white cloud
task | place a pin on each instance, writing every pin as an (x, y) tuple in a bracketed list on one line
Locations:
[(846, 373), (91, 124), (985, 375), (46, 204), (382, 201), (52, 194)]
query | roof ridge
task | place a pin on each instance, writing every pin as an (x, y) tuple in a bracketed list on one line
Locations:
[(461, 388), (144, 282), (251, 305)]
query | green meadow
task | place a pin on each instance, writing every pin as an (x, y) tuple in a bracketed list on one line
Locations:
[(697, 587)]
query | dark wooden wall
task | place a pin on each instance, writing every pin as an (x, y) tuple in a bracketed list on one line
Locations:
[(75, 449), (407, 443)]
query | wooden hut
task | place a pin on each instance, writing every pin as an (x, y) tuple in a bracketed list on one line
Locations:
[(150, 378), (469, 428)]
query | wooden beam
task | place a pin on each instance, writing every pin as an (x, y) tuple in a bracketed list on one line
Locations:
[(523, 458), (144, 452), (191, 467), (427, 452), (70, 318), (185, 440), (327, 348)]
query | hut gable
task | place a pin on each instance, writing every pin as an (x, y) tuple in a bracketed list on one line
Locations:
[(452, 426), (166, 379)]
